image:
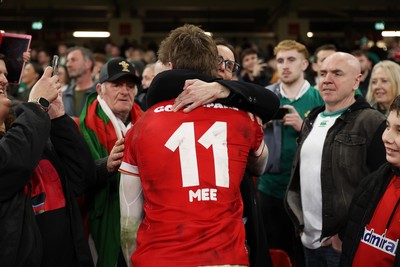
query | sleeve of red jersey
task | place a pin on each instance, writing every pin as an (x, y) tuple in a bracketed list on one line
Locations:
[(129, 164)]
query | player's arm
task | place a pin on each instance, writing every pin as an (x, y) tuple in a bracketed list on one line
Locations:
[(131, 205), (257, 160)]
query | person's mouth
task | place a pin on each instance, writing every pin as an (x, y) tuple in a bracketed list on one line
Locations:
[(390, 150)]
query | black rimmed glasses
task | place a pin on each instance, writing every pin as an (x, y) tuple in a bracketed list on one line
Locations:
[(230, 65)]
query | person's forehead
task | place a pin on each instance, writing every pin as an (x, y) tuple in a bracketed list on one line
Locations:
[(289, 53), (75, 54), (394, 119), (252, 55), (379, 71), (148, 71), (342, 61), (334, 63), (225, 52)]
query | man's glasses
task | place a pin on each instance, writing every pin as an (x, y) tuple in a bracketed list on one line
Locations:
[(230, 65)]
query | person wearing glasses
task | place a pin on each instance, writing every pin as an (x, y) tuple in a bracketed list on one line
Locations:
[(227, 66), (297, 98)]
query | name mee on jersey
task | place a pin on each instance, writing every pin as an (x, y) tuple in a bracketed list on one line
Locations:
[(201, 194)]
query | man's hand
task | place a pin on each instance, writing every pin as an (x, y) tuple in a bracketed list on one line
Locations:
[(196, 93), (334, 241), (258, 68), (254, 117), (292, 118), (57, 107), (26, 56), (115, 158), (47, 86)]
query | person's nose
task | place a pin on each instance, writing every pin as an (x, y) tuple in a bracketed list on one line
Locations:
[(3, 80), (387, 136), (378, 84), (124, 89), (327, 78), (221, 66), (285, 64)]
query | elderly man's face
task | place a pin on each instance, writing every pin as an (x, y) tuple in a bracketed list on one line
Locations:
[(119, 96)]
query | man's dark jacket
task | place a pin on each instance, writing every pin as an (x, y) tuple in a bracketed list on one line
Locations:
[(33, 137), (353, 149)]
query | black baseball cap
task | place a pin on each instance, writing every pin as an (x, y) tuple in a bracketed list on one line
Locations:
[(117, 68)]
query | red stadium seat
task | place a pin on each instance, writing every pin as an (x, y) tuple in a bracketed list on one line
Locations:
[(280, 258)]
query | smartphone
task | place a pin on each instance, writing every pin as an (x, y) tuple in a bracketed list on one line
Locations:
[(54, 64), (280, 114)]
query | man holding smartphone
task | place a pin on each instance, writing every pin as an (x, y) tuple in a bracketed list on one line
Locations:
[(297, 99)]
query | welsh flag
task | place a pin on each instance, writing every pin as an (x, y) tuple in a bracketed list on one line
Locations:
[(104, 211)]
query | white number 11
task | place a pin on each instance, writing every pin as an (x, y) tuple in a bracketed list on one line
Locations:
[(183, 138)]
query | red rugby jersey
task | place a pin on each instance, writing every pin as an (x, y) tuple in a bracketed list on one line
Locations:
[(191, 166), (380, 238)]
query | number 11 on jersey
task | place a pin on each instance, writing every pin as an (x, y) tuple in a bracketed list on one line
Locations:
[(184, 139)]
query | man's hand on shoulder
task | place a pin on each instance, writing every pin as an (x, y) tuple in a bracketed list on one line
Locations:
[(196, 93)]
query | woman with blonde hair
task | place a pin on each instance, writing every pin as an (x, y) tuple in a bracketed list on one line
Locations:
[(384, 85)]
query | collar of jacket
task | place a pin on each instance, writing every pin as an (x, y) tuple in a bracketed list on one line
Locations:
[(360, 103), (396, 170)]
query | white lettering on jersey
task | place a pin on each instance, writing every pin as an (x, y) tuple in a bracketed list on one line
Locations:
[(183, 139), (168, 108), (204, 194)]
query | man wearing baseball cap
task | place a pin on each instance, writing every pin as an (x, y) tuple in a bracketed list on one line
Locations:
[(106, 117)]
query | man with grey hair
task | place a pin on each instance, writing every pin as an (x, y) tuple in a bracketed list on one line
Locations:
[(105, 119), (80, 63)]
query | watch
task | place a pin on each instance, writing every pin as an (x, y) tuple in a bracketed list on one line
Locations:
[(41, 102)]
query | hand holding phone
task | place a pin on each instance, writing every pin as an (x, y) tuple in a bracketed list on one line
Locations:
[(280, 114), (54, 64)]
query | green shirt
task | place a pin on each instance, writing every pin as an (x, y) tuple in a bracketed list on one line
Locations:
[(276, 184)]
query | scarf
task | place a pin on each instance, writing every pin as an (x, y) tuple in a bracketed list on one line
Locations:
[(101, 129)]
